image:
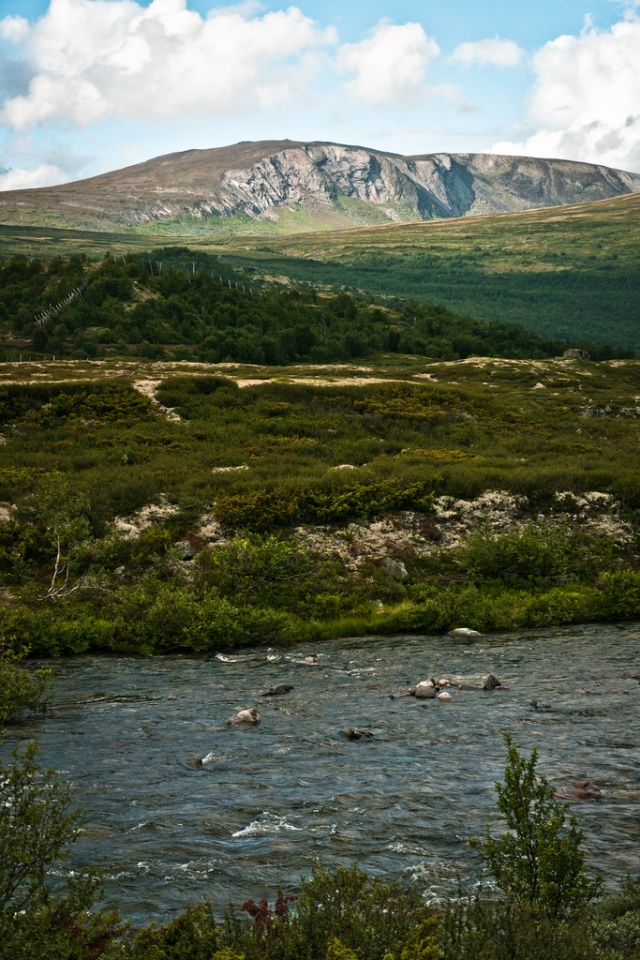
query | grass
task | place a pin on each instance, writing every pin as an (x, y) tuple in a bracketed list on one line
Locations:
[(83, 447)]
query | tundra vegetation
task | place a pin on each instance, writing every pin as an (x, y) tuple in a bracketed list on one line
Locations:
[(182, 506), (401, 497), (569, 272)]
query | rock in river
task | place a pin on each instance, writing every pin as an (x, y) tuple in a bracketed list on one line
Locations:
[(278, 691), (357, 733), (582, 790), (246, 716), (485, 681)]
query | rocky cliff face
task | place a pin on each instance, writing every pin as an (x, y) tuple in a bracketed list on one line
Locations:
[(311, 186)]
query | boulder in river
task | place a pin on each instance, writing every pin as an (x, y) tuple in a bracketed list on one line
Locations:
[(246, 716), (425, 690), (485, 681), (278, 691), (445, 697), (582, 790), (464, 632), (357, 733)]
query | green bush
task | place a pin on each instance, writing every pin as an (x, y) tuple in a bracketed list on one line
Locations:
[(40, 920), (335, 914), (615, 922), (539, 863), (262, 510), (193, 935), (20, 689), (536, 556)]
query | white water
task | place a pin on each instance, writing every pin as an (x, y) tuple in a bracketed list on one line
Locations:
[(271, 798)]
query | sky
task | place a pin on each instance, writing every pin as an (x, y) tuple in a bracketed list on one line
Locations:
[(88, 86)]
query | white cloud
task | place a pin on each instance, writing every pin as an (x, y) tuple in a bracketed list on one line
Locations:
[(389, 65), (585, 103), (14, 28), (94, 59), (488, 53), (44, 175)]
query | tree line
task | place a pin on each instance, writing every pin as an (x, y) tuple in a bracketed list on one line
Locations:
[(184, 305)]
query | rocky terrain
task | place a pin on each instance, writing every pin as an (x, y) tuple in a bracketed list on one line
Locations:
[(287, 186)]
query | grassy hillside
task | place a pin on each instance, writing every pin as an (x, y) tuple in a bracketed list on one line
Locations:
[(569, 272), (152, 507)]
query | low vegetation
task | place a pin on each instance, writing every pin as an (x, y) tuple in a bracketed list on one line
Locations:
[(568, 271), (194, 513)]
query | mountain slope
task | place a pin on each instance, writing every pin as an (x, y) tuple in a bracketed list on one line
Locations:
[(571, 272), (286, 187)]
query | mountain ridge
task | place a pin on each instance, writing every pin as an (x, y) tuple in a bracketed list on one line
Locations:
[(282, 186)]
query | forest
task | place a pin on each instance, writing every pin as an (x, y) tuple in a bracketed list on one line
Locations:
[(183, 305)]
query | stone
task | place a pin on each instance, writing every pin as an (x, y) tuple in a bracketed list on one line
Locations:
[(357, 733), (464, 632), (246, 716), (485, 681), (185, 550), (278, 691), (582, 790), (425, 690), (445, 697), (575, 354), (395, 568)]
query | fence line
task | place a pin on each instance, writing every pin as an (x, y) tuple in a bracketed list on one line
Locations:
[(53, 311)]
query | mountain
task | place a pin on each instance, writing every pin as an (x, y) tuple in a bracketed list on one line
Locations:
[(288, 187)]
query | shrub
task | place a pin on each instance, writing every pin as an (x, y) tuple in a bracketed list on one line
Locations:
[(37, 920), (536, 555), (20, 689), (616, 921), (193, 935), (539, 864)]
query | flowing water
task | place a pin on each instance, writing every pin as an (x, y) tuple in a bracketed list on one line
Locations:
[(271, 798)]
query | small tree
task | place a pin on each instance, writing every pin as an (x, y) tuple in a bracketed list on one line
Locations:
[(539, 863), (40, 918), (20, 689)]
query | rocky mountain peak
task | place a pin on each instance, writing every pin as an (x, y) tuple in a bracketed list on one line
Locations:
[(289, 186)]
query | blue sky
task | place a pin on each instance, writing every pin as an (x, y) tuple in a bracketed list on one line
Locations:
[(92, 85)]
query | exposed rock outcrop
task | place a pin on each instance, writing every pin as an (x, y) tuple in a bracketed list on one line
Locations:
[(331, 185)]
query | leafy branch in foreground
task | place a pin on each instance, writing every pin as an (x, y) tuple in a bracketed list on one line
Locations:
[(539, 863), (40, 918), (20, 689)]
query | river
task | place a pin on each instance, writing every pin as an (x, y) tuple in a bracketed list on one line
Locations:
[(273, 797)]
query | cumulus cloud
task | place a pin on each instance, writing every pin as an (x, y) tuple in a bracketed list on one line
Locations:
[(94, 59), (14, 28), (585, 103), (44, 175), (488, 53), (389, 65)]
